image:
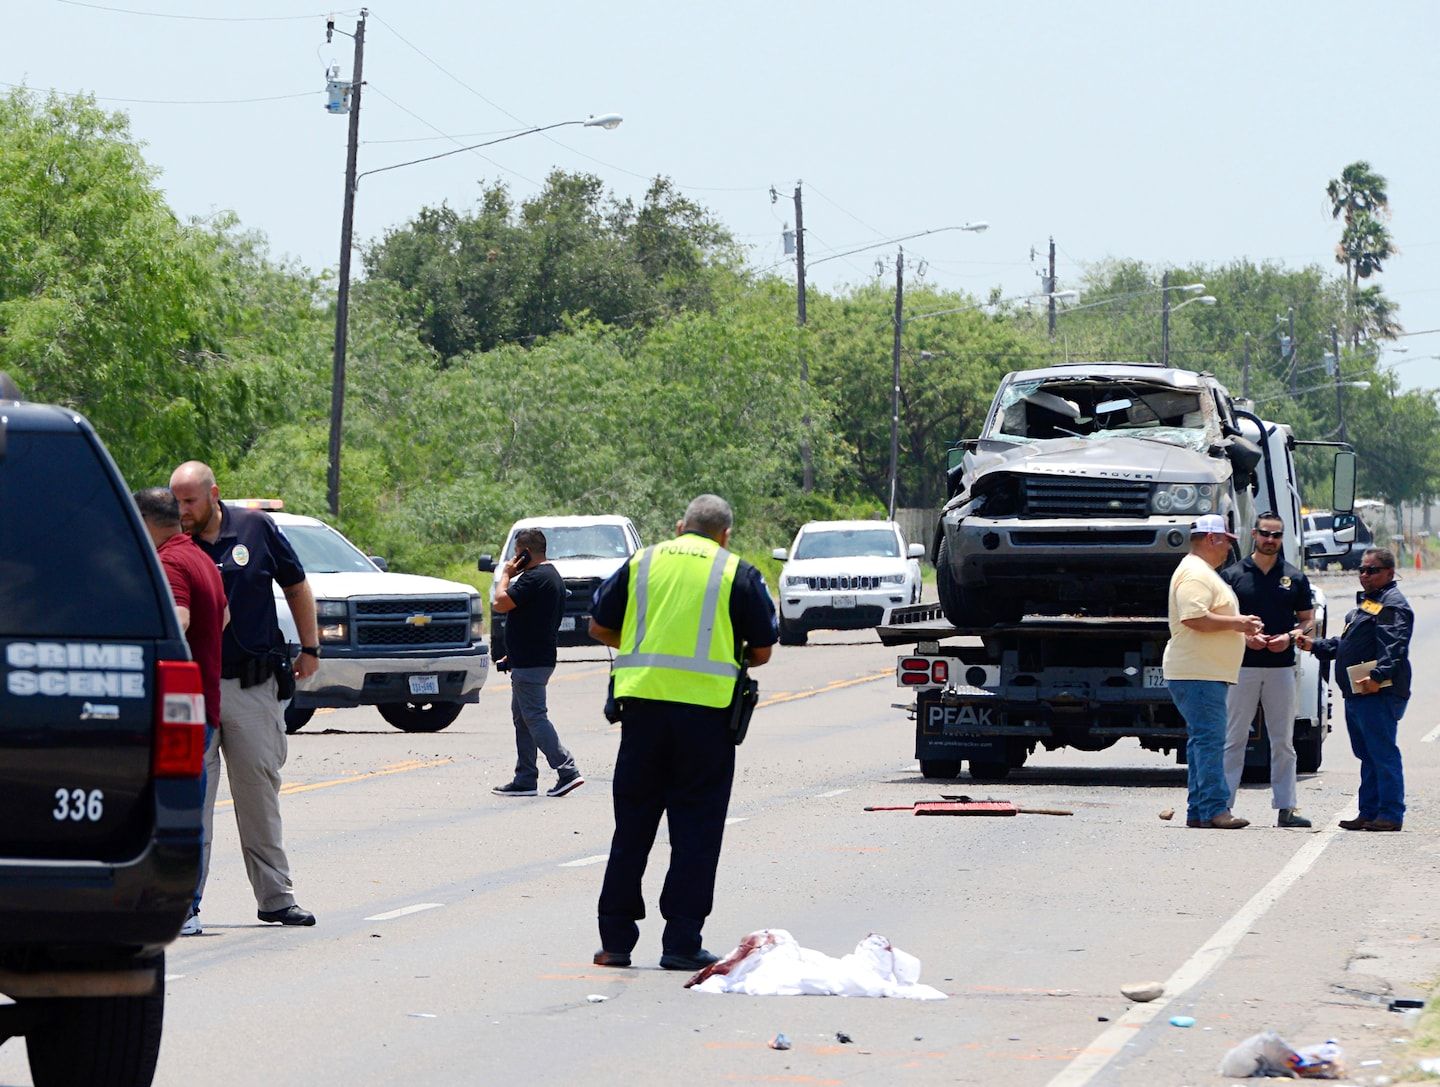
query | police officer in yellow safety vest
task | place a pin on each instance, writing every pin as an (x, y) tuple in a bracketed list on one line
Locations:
[(683, 615)]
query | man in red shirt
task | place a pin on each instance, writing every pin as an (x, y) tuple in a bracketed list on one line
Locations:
[(200, 604)]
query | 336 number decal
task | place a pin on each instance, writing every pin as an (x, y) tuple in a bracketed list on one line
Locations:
[(78, 806)]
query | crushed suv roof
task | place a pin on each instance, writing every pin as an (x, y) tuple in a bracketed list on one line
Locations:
[(1137, 371)]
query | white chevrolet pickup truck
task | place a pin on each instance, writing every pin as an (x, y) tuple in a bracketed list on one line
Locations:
[(411, 646)]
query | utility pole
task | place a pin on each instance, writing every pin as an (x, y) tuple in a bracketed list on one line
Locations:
[(807, 465), (1245, 381), (342, 302), (1165, 319), (1050, 286), (1294, 357), (895, 378), (1339, 386)]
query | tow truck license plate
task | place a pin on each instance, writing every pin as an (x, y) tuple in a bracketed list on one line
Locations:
[(842, 601), (567, 623), (424, 684), (1154, 677)]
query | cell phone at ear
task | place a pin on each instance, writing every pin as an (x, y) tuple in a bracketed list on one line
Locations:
[(522, 560)]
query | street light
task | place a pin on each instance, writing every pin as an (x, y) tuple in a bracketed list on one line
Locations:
[(342, 304)]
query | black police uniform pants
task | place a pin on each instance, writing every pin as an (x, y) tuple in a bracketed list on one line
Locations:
[(678, 760)]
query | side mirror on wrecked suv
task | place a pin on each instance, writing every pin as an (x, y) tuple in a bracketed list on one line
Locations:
[(102, 737)]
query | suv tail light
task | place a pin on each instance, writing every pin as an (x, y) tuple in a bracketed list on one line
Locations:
[(179, 720)]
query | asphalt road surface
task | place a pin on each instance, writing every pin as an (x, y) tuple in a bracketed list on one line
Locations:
[(456, 927)]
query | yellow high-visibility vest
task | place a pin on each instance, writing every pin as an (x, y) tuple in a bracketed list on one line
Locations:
[(677, 643)]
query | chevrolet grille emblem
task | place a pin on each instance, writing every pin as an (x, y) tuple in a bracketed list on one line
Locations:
[(419, 620)]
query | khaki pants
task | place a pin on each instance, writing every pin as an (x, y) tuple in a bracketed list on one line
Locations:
[(252, 737), (1273, 688)]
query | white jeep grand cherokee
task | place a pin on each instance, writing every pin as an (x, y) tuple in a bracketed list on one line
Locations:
[(409, 645), (845, 575)]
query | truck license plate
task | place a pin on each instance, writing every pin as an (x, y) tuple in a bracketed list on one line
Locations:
[(842, 601), (567, 623), (424, 684), (1154, 677)]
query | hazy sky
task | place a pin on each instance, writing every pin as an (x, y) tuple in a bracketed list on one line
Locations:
[(1171, 133)]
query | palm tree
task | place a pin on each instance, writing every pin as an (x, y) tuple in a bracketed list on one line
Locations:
[(1361, 197)]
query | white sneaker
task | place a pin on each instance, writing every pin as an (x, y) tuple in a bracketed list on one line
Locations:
[(191, 927)]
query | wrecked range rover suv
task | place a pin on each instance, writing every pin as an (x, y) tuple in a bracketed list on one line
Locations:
[(1077, 497)]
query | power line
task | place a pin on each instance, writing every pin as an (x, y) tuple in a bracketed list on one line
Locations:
[(162, 101), (206, 18), (558, 143), (845, 211), (405, 109)]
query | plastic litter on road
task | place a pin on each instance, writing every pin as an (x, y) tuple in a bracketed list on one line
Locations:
[(1182, 1020), (779, 1042), (771, 963), (1267, 1054), (596, 998)]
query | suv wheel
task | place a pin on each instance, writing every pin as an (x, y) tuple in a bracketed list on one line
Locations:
[(964, 609), (98, 1041), (792, 633), (297, 717), (420, 716)]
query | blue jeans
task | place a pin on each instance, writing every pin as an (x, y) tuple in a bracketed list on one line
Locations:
[(1203, 704), (207, 828), (1372, 721), (533, 729)]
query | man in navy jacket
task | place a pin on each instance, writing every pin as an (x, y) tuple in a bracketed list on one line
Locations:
[(1377, 630)]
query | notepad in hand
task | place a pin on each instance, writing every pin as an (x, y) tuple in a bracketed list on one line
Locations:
[(1360, 671)]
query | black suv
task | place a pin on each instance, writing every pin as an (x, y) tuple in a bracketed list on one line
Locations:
[(101, 746)]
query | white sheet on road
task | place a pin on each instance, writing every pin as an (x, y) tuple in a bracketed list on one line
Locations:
[(771, 963)]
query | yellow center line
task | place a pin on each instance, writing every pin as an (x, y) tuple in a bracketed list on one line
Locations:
[(839, 684), (397, 768)]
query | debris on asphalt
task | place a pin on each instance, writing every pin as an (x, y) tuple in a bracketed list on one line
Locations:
[(779, 1042), (1267, 1054), (1142, 992), (1182, 1020), (1102, 1019), (596, 998), (423, 1015), (770, 962), (1401, 1004), (1168, 814), (1429, 1064), (843, 1038)]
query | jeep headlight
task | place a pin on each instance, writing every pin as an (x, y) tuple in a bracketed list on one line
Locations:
[(477, 618), (892, 579), (795, 581), (1183, 498)]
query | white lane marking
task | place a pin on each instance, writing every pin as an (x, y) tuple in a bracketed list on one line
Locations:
[(583, 861), (832, 792), (1431, 736), (1111, 1042), (403, 910), (735, 819)]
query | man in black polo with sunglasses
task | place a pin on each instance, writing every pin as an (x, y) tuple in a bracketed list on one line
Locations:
[(1280, 594), (1377, 633)]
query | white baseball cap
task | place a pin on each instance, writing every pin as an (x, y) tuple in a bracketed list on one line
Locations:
[(1211, 522)]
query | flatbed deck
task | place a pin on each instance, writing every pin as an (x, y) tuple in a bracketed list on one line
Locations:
[(927, 623)]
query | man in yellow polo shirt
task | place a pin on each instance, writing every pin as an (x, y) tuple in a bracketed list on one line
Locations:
[(1202, 662)]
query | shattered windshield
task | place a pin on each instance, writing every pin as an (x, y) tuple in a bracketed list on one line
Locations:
[(1081, 407)]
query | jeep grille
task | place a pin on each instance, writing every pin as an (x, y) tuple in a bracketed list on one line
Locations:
[(842, 583)]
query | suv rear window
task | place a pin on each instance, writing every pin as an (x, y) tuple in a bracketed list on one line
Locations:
[(69, 544)]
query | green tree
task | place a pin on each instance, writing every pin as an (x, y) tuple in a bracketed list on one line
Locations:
[(508, 273)]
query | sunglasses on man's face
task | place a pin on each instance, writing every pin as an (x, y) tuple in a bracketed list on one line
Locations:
[(1371, 569), (1270, 535)]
